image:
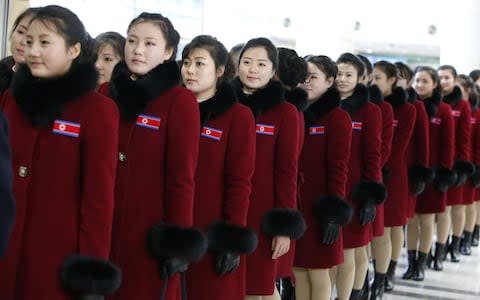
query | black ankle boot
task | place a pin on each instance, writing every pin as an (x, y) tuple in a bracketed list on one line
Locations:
[(437, 259), (476, 236), (288, 290), (447, 249), (390, 278), (454, 249), (429, 260), (412, 259), (419, 273), (363, 295), (466, 243), (378, 287), (355, 295)]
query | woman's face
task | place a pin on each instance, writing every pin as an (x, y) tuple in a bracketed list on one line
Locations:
[(447, 81), (17, 40), (381, 80), (347, 79), (423, 84), (107, 58), (255, 69), (317, 83)]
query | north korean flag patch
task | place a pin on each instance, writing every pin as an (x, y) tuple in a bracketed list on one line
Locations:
[(357, 126), (473, 121), (265, 129), (316, 130), (395, 123), (66, 128), (148, 122), (211, 133), (456, 113), (436, 121)]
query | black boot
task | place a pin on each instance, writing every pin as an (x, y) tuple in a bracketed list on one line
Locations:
[(288, 291), (355, 295), (454, 249), (389, 279), (419, 273), (378, 287), (476, 236), (412, 260), (466, 243), (363, 295), (429, 261), (90, 297), (446, 249), (437, 260)]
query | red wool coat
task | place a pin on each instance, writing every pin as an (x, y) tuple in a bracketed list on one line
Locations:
[(418, 151), (365, 159), (274, 183), (64, 173), (469, 192), (226, 163), (461, 115), (441, 153), (158, 149), (324, 164), (396, 205)]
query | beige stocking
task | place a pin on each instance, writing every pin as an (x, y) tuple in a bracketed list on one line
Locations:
[(382, 251), (458, 219), (443, 225), (470, 217), (426, 232), (345, 274), (397, 238), (361, 267), (413, 228)]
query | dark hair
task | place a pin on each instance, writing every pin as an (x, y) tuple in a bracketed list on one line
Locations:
[(433, 75), (366, 63), (475, 74), (292, 69), (67, 24), (325, 64), (29, 12), (449, 68), (467, 83), (352, 59), (388, 68), (114, 39), (172, 37), (217, 51), (235, 53), (265, 43), (404, 71)]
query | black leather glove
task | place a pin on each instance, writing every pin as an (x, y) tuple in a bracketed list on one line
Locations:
[(367, 213), (331, 232), (461, 179), (226, 263), (173, 265)]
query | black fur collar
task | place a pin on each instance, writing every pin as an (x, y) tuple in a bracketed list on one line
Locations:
[(431, 104), (263, 99), (397, 98), (6, 73), (375, 94), (132, 96), (297, 97), (214, 107), (327, 102), (454, 97), (355, 101), (43, 100), (412, 95), (473, 100)]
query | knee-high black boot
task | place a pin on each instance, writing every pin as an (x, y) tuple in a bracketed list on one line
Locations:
[(476, 236), (437, 260), (412, 260), (466, 243), (454, 249), (419, 273), (288, 290), (389, 279), (378, 287)]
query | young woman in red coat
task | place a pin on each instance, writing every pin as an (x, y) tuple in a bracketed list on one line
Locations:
[(64, 149), (433, 199), (158, 149), (226, 163), (274, 184), (364, 188), (396, 170), (455, 213), (292, 71), (110, 47), (324, 165)]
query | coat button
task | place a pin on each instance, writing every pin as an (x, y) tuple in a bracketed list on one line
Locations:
[(122, 156), (23, 171)]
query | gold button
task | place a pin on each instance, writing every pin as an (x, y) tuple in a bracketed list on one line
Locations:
[(122, 156), (23, 171)]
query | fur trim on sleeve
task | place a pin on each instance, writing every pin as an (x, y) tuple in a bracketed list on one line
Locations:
[(332, 208), (369, 191), (463, 166), (223, 237), (167, 241), (418, 176), (83, 275), (444, 178), (475, 178), (283, 222)]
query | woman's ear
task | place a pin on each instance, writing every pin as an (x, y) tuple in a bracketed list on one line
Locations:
[(220, 71), (74, 51), (330, 81)]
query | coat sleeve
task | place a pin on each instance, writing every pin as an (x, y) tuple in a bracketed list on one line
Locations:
[(371, 145), (403, 132), (99, 162), (183, 135), (7, 202), (338, 153), (387, 131), (422, 135), (463, 134), (448, 138), (476, 140), (239, 167), (286, 160)]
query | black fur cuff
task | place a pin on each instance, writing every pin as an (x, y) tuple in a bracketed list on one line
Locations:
[(334, 209), (223, 238), (171, 241), (83, 275), (444, 178), (463, 167), (421, 173), (369, 192), (475, 178), (283, 222)]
